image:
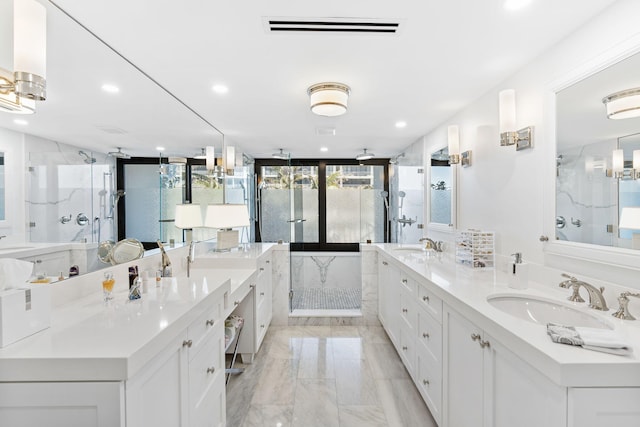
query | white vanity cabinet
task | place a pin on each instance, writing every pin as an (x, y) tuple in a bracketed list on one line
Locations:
[(408, 323), (389, 298), (51, 264), (486, 384), (263, 298), (606, 406), (184, 384)]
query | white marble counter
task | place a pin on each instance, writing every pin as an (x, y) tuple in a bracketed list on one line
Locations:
[(91, 341), (466, 290)]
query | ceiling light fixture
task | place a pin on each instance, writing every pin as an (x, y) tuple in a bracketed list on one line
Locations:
[(110, 88), (324, 149), (623, 105), (401, 124), (20, 122), (365, 155), (27, 83), (515, 4), (329, 99), (220, 89), (281, 155)]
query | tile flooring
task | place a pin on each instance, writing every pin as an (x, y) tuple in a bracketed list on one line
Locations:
[(343, 376)]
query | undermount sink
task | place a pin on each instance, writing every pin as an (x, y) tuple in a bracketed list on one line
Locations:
[(542, 311)]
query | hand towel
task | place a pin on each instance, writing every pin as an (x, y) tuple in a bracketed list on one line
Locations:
[(14, 273), (603, 340)]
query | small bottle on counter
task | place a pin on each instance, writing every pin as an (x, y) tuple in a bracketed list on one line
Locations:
[(135, 283), (518, 272), (74, 270), (145, 281)]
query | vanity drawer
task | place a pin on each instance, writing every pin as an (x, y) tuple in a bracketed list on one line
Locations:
[(431, 303), (408, 284), (203, 327), (408, 310), (429, 382), (430, 335), (206, 365)]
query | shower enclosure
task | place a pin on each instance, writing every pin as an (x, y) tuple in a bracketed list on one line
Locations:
[(324, 209)]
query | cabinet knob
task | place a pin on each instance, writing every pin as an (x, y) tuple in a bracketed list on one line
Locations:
[(425, 335), (253, 285), (475, 337), (262, 326), (404, 281), (268, 262), (261, 294), (425, 382), (385, 263), (484, 344), (261, 268), (404, 348), (38, 261), (544, 238), (211, 370), (210, 322), (425, 298), (236, 303), (187, 343), (404, 310)]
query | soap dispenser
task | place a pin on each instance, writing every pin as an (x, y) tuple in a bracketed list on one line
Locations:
[(518, 272)]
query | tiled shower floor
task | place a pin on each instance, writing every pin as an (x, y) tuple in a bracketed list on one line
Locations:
[(326, 299)]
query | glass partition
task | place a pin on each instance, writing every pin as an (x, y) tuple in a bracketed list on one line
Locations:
[(2, 196)]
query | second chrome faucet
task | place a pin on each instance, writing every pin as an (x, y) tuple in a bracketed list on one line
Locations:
[(596, 298)]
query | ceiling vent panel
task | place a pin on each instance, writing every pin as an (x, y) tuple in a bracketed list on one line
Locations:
[(332, 25)]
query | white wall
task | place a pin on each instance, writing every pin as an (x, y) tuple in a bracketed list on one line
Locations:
[(512, 193)]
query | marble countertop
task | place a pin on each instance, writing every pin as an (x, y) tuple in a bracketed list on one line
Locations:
[(466, 290), (91, 341)]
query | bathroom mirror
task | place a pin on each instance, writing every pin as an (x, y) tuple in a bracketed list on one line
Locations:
[(2, 185), (126, 250), (441, 190), (594, 181)]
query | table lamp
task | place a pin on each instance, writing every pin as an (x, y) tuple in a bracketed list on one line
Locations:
[(188, 216), (224, 218)]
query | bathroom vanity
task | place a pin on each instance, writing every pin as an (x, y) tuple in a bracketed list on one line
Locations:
[(471, 361), (157, 361)]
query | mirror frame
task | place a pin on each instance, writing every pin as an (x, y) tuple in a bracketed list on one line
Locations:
[(446, 228), (622, 258)]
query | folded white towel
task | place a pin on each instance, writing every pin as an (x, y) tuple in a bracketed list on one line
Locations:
[(14, 272), (603, 340)]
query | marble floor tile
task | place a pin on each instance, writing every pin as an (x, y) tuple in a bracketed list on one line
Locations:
[(384, 361), (354, 383), (347, 348), (315, 404), (268, 416), (283, 347), (316, 359), (362, 416), (373, 335), (277, 384), (345, 331), (402, 404)]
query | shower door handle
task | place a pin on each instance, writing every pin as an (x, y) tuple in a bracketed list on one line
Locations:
[(297, 221)]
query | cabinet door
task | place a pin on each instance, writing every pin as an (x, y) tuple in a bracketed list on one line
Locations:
[(463, 372), (389, 290), (157, 396), (62, 404), (596, 407), (516, 394)]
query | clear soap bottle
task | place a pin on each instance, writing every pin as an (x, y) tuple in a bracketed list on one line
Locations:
[(518, 272)]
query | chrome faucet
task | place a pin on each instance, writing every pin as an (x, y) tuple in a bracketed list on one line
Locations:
[(623, 310), (431, 244), (191, 256), (596, 299), (166, 262), (2, 237)]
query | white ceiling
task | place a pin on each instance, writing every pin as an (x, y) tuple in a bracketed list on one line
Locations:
[(446, 54)]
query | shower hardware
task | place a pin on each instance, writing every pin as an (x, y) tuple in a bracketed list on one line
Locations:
[(576, 222), (406, 221), (65, 219), (297, 220), (385, 195), (87, 159), (118, 154), (560, 222), (82, 219)]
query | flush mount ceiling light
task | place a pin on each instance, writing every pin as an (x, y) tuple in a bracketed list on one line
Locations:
[(329, 99), (624, 104), (281, 155), (26, 84), (365, 155)]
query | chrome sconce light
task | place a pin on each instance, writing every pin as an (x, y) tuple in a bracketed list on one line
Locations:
[(618, 170), (20, 88), (522, 138), (455, 157)]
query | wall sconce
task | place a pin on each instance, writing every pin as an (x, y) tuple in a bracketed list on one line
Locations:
[(210, 158), (455, 157), (224, 218), (188, 217), (27, 83), (522, 138), (618, 170), (229, 159)]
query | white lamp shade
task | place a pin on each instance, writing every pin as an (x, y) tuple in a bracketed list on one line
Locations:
[(630, 218), (226, 216), (617, 161), (230, 157), (454, 140), (210, 158), (329, 99), (507, 105), (623, 105), (30, 37), (188, 216), (636, 159)]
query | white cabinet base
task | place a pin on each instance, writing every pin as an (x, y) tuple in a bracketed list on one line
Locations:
[(597, 407)]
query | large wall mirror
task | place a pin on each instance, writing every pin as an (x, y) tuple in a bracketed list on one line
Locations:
[(596, 176), (2, 193), (442, 193)]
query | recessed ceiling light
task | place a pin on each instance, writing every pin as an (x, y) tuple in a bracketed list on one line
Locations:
[(160, 148), (21, 122), (515, 4), (401, 124), (324, 149), (110, 88), (220, 89)]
